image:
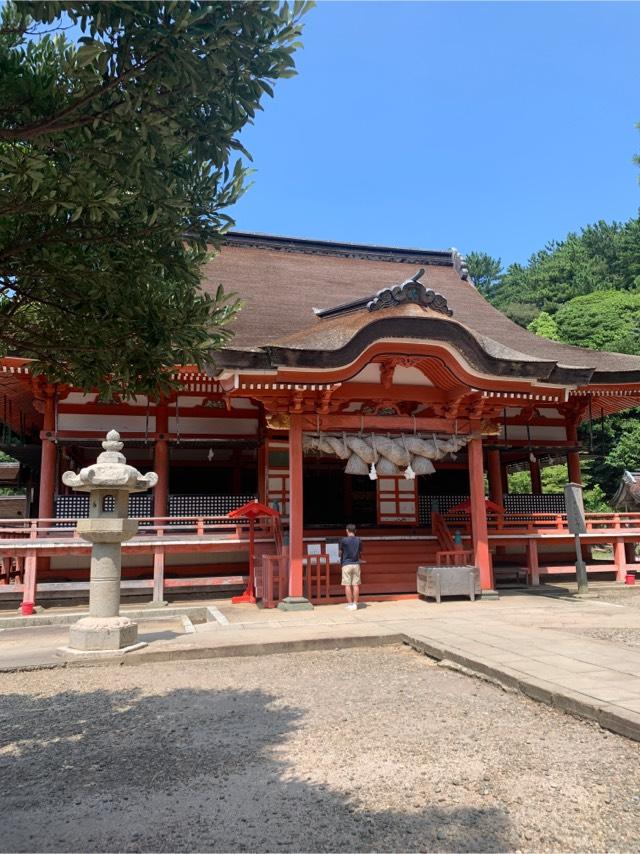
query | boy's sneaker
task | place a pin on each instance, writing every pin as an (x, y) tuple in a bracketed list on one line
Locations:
[(351, 606)]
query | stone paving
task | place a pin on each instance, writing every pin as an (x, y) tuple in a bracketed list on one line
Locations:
[(526, 642)]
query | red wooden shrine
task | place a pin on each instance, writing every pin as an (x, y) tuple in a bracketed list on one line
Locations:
[(336, 341)]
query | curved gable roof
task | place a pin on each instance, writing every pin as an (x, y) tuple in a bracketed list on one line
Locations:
[(284, 279)]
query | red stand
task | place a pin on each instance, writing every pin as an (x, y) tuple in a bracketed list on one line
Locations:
[(248, 595), (251, 511)]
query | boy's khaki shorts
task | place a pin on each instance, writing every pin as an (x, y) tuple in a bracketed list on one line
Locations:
[(350, 574)]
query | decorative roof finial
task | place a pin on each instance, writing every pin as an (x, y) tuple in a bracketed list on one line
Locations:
[(410, 291)]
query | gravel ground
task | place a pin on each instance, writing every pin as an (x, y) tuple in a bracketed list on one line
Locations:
[(354, 750), (623, 636), (627, 636), (622, 595)]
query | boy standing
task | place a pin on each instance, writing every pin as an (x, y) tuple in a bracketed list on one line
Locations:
[(350, 553)]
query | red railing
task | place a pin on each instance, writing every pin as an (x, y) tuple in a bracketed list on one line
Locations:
[(532, 523), (24, 541)]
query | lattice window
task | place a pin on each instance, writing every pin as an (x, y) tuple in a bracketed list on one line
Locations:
[(532, 503), (206, 505), (77, 506), (397, 500), (440, 503), (525, 503), (278, 490)]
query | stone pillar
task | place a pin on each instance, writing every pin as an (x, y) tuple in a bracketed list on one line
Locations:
[(480, 533), (109, 482), (295, 600)]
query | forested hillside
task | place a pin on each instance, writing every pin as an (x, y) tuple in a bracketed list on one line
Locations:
[(583, 290)]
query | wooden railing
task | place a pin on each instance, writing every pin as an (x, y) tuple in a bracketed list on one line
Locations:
[(24, 541), (532, 523)]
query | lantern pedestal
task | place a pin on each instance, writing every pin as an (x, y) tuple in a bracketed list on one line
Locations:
[(109, 483), (101, 634)]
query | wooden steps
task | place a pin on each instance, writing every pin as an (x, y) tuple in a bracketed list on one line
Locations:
[(389, 566)]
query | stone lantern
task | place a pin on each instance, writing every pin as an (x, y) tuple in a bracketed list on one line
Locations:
[(109, 481)]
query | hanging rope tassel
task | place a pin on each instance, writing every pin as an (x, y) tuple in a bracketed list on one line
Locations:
[(408, 472), (373, 474)]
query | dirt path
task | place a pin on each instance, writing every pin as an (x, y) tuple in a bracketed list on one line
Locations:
[(361, 750)]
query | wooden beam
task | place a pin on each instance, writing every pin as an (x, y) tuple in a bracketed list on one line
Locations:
[(382, 422)]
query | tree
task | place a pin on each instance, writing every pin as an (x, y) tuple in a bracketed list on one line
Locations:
[(485, 271), (545, 326), (553, 479), (604, 256), (116, 156), (606, 320)]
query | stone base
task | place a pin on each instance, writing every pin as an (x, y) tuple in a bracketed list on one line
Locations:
[(104, 653), (97, 634), (489, 594), (295, 603)]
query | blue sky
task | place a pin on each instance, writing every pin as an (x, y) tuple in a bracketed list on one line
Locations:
[(485, 126)]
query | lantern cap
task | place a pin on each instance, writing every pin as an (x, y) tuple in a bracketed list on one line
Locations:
[(110, 471)]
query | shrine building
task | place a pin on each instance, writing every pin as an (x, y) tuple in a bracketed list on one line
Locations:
[(364, 384)]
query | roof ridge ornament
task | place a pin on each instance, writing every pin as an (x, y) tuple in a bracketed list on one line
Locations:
[(411, 291)]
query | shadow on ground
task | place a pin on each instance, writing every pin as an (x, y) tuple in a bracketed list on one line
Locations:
[(193, 770)]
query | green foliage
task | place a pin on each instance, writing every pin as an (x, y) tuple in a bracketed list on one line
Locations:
[(553, 480), (585, 290), (545, 326), (606, 320), (521, 313), (603, 257), (616, 446), (116, 169), (485, 271)]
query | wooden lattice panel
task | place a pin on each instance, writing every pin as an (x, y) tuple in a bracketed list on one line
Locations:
[(77, 506), (534, 503), (525, 503), (397, 500), (278, 490)]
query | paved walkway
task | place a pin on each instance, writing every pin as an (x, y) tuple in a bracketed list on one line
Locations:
[(531, 643)]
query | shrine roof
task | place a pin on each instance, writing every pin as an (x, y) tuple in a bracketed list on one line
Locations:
[(286, 280)]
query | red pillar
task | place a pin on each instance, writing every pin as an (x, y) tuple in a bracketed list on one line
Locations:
[(479, 514), (495, 476), (573, 458), (48, 460), (161, 461), (262, 473), (295, 600), (295, 507), (505, 479), (536, 480), (48, 469)]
